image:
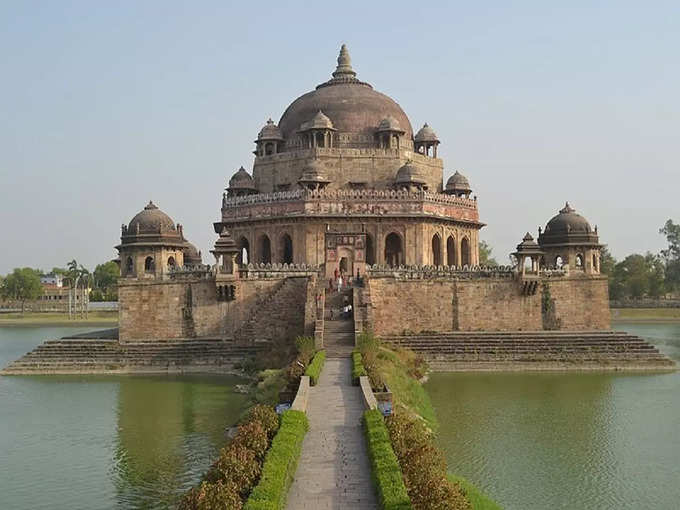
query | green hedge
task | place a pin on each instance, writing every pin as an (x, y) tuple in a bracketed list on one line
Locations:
[(384, 465), (280, 464), (314, 368), (358, 369)]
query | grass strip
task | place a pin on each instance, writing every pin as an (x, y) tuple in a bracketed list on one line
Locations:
[(280, 464), (478, 499), (314, 368), (358, 369), (385, 468)]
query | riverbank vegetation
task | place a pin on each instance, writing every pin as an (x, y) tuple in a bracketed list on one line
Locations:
[(385, 468), (645, 314), (412, 428)]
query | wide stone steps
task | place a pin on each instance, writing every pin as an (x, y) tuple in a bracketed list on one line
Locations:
[(559, 349), (96, 356)]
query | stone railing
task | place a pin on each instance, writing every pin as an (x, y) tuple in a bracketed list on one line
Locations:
[(348, 202), (259, 271), (197, 271), (302, 395), (417, 272)]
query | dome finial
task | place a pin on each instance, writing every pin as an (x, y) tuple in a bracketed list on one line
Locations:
[(344, 64)]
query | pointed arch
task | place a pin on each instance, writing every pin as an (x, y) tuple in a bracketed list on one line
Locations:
[(436, 250), (394, 251), (243, 256), (265, 249), (286, 251), (465, 253), (451, 251)]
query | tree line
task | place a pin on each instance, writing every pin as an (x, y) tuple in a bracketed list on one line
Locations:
[(23, 283)]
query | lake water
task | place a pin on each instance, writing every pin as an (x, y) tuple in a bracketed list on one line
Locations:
[(567, 441), (91, 442)]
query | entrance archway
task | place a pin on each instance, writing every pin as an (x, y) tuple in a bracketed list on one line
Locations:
[(436, 250), (370, 250), (286, 249), (451, 251), (243, 256), (265, 251), (465, 255), (394, 252)]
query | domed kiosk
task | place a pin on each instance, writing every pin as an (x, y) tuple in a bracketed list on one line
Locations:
[(569, 240)]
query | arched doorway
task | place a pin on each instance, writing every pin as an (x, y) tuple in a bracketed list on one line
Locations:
[(436, 250), (286, 249), (465, 255), (129, 267), (243, 256), (559, 262), (149, 265), (370, 250), (171, 261), (394, 253), (451, 251), (265, 249)]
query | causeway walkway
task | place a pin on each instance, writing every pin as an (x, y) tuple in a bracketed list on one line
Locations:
[(334, 470)]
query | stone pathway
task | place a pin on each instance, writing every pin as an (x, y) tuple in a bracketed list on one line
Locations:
[(334, 470)]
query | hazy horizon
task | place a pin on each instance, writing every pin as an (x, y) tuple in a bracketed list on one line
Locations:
[(108, 106)]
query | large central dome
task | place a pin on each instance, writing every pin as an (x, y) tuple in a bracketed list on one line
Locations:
[(352, 105)]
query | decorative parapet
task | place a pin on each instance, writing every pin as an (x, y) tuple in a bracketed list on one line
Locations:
[(417, 272), (200, 271), (263, 271), (348, 202)]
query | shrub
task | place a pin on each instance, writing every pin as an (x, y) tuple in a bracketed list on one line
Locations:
[(305, 346), (267, 418), (387, 475), (280, 464), (358, 369), (423, 466), (212, 496), (369, 346), (270, 384), (236, 464), (252, 435), (314, 368)]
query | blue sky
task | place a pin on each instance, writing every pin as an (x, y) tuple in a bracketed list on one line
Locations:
[(106, 105)]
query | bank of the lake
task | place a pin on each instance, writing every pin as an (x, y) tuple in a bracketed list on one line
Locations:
[(645, 315), (104, 441), (567, 440), (59, 319)]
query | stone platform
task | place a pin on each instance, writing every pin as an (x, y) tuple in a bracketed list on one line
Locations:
[(99, 353), (535, 350)]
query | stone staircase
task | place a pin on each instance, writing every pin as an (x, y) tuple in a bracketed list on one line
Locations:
[(338, 335), (98, 355), (251, 329), (537, 350)]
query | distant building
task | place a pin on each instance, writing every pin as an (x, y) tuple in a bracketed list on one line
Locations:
[(53, 279)]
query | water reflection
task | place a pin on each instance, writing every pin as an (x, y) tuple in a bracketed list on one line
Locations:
[(537, 441), (168, 432)]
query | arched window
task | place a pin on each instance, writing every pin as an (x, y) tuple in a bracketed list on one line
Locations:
[(595, 267), (243, 256), (370, 250), (171, 261), (436, 250), (129, 267), (265, 249), (286, 249), (149, 265), (579, 261), (465, 255), (451, 251), (394, 253), (559, 262), (268, 149)]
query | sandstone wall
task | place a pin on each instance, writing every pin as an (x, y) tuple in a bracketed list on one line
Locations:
[(168, 309), (489, 304)]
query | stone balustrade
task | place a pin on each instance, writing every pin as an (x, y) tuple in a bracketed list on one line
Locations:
[(275, 270), (348, 202), (416, 272)]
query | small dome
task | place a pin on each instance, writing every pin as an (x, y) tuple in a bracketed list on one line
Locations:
[(192, 257), (241, 180), (568, 227), (389, 124), (426, 134), (409, 174), (458, 182), (568, 221), (319, 121), (314, 172), (269, 131), (152, 221)]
